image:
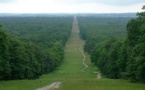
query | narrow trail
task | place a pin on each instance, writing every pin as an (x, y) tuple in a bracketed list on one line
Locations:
[(83, 62), (98, 75), (52, 86)]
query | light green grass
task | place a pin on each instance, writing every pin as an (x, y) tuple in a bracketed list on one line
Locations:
[(69, 73)]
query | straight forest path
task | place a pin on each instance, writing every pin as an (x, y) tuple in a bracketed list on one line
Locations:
[(75, 58), (74, 47), (75, 73)]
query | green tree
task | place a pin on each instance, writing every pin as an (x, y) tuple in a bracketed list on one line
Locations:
[(5, 67)]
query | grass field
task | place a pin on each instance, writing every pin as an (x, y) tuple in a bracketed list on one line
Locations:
[(70, 74)]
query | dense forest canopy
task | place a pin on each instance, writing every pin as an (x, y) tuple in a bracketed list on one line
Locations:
[(124, 58), (95, 29), (33, 45)]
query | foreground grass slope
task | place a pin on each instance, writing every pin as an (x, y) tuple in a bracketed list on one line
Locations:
[(69, 73)]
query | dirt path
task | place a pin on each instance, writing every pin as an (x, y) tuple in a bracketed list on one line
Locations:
[(52, 86), (83, 62), (98, 75)]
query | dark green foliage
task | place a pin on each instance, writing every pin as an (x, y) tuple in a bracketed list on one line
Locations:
[(107, 58), (33, 47), (133, 31), (97, 29), (108, 54), (136, 52), (124, 58), (4, 55)]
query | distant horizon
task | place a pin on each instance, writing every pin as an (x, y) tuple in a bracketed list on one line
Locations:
[(67, 14), (75, 13)]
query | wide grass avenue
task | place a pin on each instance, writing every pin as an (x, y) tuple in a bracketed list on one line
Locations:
[(70, 74)]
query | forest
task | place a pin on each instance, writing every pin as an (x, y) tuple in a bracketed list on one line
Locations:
[(95, 29), (117, 54), (32, 46)]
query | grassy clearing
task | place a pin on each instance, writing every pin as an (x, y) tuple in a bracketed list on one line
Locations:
[(69, 73)]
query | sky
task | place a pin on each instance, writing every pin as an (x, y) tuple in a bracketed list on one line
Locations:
[(71, 6)]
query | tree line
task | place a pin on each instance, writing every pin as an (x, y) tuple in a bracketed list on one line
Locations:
[(95, 29), (123, 57), (32, 46)]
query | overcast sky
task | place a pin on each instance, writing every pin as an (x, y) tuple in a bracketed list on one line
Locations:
[(70, 6)]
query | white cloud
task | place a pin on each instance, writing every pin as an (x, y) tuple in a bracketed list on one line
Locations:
[(119, 2), (64, 6)]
